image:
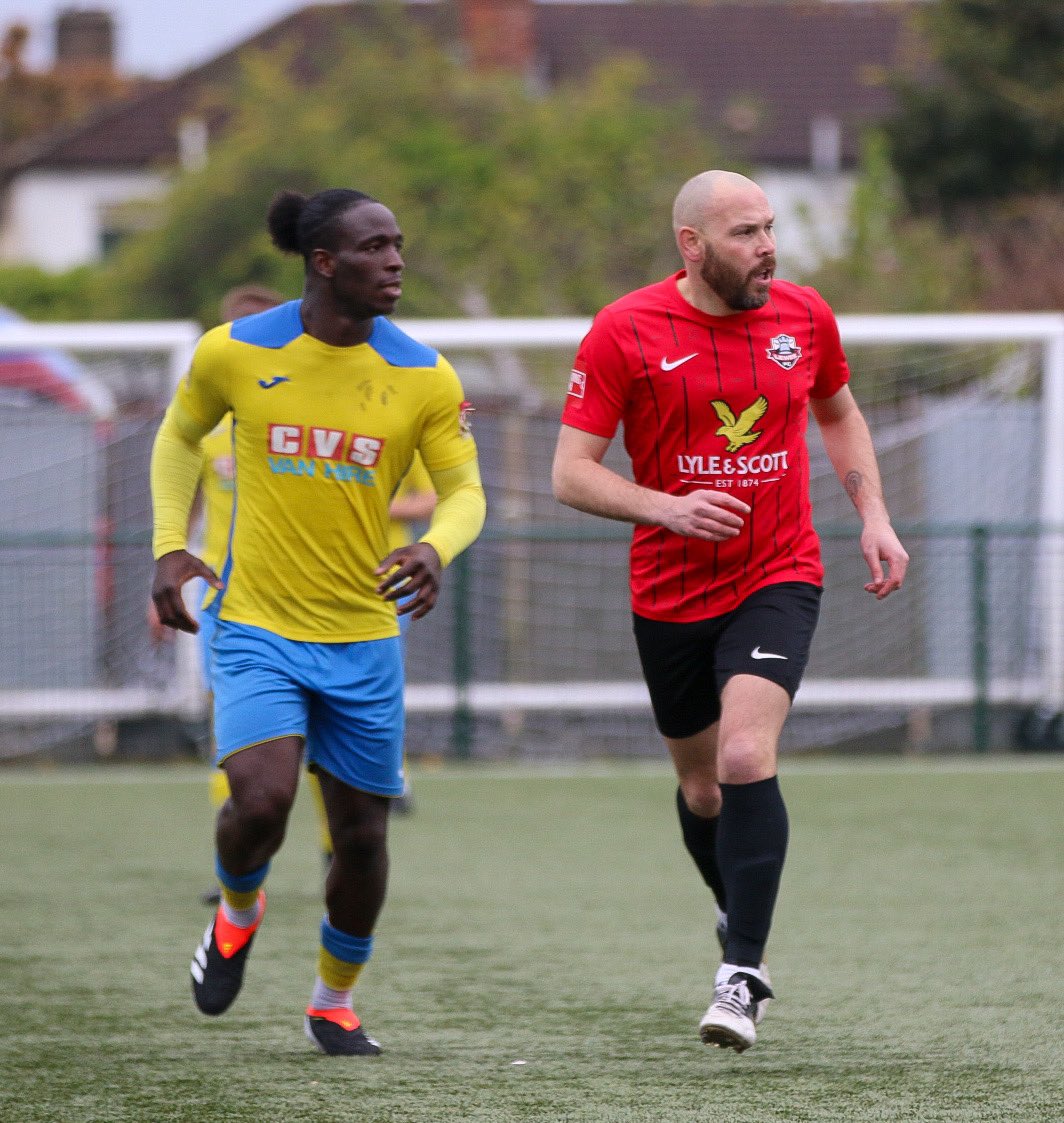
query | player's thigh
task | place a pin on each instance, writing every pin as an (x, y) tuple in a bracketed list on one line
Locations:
[(259, 694), (355, 817), (761, 657), (752, 716), (678, 662), (263, 778), (357, 717)]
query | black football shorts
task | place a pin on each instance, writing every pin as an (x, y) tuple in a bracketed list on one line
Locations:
[(687, 665)]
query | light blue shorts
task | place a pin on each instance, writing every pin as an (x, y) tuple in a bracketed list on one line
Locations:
[(206, 621), (344, 699)]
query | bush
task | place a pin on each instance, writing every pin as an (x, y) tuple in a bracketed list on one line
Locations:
[(38, 295)]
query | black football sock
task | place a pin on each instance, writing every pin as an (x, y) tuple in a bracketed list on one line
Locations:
[(700, 838), (751, 846)]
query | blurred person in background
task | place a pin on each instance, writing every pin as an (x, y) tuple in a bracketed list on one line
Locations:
[(713, 372), (330, 404)]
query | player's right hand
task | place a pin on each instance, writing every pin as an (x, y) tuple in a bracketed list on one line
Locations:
[(172, 570), (711, 515)]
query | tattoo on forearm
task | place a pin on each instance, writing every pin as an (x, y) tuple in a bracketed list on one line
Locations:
[(853, 483)]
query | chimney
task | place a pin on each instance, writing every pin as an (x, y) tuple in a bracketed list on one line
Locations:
[(825, 144), (498, 33), (84, 40)]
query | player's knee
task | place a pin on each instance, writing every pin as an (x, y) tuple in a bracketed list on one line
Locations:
[(744, 757), (702, 796), (262, 810)]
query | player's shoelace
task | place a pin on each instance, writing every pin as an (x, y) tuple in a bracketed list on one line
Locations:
[(734, 998)]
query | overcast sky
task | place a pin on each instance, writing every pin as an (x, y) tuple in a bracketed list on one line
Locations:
[(154, 37), (157, 38)]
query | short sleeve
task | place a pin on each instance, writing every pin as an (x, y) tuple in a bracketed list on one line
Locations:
[(833, 371), (599, 382)]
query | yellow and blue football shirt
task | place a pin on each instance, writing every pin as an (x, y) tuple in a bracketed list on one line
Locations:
[(322, 437)]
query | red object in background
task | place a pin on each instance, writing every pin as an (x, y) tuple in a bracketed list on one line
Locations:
[(27, 372)]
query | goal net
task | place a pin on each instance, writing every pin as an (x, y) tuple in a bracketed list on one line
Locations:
[(80, 404), (529, 650)]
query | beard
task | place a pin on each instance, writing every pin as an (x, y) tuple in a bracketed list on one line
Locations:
[(739, 291)]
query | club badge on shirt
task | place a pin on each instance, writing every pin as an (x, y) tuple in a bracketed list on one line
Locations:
[(784, 351)]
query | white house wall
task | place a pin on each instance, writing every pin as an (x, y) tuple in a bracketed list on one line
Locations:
[(54, 219), (812, 211)]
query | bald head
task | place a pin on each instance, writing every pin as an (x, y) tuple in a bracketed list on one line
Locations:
[(724, 230), (707, 192)]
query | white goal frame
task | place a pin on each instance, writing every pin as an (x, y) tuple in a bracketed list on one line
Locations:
[(1044, 329), (184, 697)]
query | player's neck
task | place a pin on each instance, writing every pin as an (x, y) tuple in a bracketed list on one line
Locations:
[(324, 321), (699, 295)]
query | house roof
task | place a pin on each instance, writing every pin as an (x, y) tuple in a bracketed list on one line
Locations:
[(761, 72)]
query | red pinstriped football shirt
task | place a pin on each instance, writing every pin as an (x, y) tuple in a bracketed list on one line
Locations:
[(712, 402)]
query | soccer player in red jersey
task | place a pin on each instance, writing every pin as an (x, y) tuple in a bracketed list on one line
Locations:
[(713, 373)]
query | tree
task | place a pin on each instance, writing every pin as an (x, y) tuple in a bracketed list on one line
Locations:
[(989, 123), (959, 204), (39, 295), (891, 261), (512, 200)]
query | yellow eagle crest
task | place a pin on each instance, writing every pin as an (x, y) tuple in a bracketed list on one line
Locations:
[(738, 430)]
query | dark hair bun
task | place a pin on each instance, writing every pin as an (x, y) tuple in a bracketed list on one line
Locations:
[(282, 220)]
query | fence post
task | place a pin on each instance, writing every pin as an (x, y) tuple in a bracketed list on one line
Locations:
[(978, 542), (461, 658)]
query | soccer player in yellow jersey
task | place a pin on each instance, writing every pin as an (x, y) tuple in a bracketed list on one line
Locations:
[(330, 402)]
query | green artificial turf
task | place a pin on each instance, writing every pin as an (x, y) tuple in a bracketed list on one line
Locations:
[(545, 954)]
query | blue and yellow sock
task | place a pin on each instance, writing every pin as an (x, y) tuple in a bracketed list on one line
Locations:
[(341, 959), (240, 894)]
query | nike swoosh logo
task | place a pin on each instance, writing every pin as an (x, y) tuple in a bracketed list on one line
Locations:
[(276, 380), (757, 653), (666, 365)]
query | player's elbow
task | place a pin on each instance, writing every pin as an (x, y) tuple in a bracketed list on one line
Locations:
[(561, 482)]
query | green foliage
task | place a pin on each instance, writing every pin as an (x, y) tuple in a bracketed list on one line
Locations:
[(1020, 247), (892, 262), (518, 201), (990, 123), (38, 295)]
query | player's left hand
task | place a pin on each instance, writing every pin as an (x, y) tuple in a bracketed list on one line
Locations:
[(411, 574), (886, 558)]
